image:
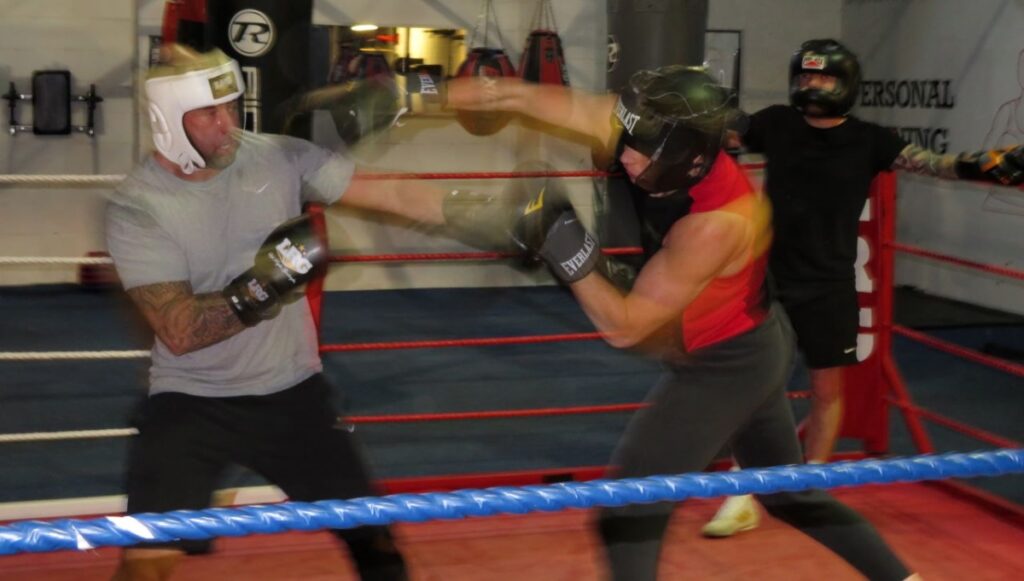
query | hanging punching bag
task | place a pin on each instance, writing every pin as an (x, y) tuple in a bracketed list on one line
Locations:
[(484, 62), (643, 35), (185, 23), (543, 60), (369, 64), (652, 33), (271, 42)]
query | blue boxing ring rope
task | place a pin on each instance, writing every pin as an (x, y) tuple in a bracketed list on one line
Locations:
[(40, 536)]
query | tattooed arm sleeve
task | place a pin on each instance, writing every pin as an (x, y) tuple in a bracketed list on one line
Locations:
[(916, 159), (183, 321)]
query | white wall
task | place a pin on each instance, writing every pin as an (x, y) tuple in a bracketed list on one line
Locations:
[(772, 31), (99, 42), (975, 47), (95, 41)]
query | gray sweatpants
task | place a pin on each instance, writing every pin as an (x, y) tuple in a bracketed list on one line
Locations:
[(729, 393)]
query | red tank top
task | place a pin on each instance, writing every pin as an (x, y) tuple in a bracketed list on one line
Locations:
[(735, 304)]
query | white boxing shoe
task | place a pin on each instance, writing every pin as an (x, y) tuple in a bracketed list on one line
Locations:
[(737, 514)]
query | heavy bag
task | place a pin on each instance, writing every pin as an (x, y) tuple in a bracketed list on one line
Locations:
[(484, 62), (543, 60), (643, 35), (270, 41), (653, 33)]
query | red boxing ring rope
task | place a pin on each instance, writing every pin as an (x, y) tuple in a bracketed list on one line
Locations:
[(482, 175), (999, 270), (496, 414), (456, 256), (481, 342), (960, 427), (961, 352)]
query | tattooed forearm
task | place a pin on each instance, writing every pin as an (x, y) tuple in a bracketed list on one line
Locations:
[(183, 321), (922, 161)]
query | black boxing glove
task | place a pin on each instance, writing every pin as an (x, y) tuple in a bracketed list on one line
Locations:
[(1001, 166), (481, 220), (532, 216), (287, 259), (549, 228), (488, 220)]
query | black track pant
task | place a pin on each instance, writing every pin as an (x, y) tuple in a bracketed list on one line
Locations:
[(732, 392)]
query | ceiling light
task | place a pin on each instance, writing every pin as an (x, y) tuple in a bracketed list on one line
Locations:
[(364, 27)]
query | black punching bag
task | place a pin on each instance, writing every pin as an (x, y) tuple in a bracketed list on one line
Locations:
[(270, 39), (644, 34)]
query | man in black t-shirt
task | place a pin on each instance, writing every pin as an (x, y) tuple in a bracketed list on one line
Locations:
[(820, 162)]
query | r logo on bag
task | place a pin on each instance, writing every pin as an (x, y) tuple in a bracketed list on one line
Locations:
[(251, 33)]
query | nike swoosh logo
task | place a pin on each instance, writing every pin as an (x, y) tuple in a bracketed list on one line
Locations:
[(536, 204), (850, 350)]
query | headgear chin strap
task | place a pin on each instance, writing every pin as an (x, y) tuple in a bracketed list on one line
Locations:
[(172, 95), (675, 116)]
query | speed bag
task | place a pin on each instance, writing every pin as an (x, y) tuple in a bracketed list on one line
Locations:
[(484, 62)]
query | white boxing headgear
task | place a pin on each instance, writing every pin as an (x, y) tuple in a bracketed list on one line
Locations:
[(209, 79)]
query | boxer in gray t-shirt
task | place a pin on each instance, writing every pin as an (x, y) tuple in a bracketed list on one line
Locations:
[(209, 239), (162, 228)]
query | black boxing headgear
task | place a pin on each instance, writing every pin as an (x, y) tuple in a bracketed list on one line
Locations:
[(676, 116), (824, 57)]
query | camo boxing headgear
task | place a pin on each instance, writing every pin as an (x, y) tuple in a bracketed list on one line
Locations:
[(824, 57), (676, 116)]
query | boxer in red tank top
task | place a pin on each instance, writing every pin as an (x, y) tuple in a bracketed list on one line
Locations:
[(699, 301)]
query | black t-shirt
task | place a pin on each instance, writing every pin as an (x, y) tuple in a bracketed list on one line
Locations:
[(818, 181)]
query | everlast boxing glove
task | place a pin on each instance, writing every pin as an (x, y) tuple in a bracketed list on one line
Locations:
[(532, 216), (549, 228), (287, 259), (481, 220), (487, 220), (1002, 166)]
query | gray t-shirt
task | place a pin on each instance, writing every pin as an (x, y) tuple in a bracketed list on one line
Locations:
[(164, 229)]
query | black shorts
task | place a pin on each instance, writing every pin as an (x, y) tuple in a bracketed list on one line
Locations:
[(826, 327), (292, 438)]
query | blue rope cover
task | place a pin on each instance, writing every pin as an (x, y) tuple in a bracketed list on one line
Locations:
[(40, 536)]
